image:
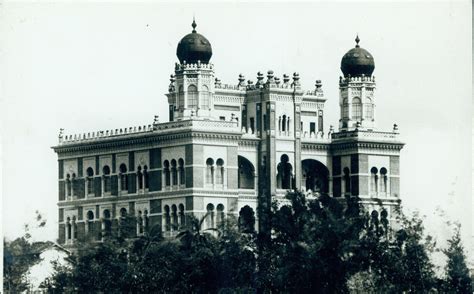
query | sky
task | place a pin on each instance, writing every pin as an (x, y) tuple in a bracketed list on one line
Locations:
[(93, 66)]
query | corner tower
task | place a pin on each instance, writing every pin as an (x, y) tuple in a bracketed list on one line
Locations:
[(357, 88), (192, 87)]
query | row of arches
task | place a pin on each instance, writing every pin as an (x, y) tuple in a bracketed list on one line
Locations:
[(378, 180), (173, 172), (174, 218), (357, 109), (195, 99), (215, 172)]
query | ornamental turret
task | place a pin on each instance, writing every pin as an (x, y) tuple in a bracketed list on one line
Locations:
[(356, 88)]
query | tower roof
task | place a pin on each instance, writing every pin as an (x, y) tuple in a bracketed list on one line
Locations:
[(357, 61), (194, 47)]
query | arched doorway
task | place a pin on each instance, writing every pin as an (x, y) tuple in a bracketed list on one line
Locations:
[(284, 173), (246, 173), (315, 176)]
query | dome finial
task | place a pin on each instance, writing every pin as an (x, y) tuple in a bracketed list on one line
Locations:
[(194, 25), (357, 40)]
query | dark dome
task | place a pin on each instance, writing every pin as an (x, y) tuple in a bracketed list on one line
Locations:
[(194, 47), (357, 62)]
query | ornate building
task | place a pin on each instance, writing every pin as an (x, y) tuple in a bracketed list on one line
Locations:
[(226, 150)]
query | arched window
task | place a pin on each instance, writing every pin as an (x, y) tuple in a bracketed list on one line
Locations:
[(174, 216), (192, 97), (73, 184), (106, 184), (373, 180), (123, 177), (167, 218), (90, 222), (247, 219), (90, 181), (283, 123), (220, 215), (356, 109), (68, 228), (74, 228), (210, 215), (383, 175), (145, 177), (320, 121), (123, 222), (139, 178), (246, 173), (182, 216), (205, 95), (182, 179), (209, 171), (180, 97), (220, 171), (346, 181), (140, 223), (166, 172), (106, 223), (284, 173), (174, 173), (68, 186), (369, 109), (345, 108)]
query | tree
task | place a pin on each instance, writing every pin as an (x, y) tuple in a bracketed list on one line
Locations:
[(457, 278)]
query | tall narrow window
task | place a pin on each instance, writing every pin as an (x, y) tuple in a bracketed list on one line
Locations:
[(345, 108), (74, 228), (320, 121), (356, 109), (312, 127), (205, 97), (106, 223), (209, 171), (252, 124), (174, 217), (181, 97), (210, 216), (167, 218), (182, 217), (68, 228), (368, 109), (373, 180), (90, 181), (139, 223), (265, 123), (383, 176), (283, 123), (346, 179), (220, 215), (73, 185), (90, 223), (192, 97), (182, 179), (166, 172), (220, 171), (174, 173), (68, 186), (139, 178), (145, 177), (106, 184), (123, 177)]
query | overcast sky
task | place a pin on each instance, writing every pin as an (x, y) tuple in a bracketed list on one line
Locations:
[(90, 67)]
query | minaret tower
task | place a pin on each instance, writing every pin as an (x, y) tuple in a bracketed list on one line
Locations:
[(356, 88), (192, 86)]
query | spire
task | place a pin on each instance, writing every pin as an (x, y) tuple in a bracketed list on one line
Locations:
[(357, 41), (194, 25)]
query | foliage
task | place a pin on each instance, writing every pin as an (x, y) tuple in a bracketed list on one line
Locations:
[(457, 278)]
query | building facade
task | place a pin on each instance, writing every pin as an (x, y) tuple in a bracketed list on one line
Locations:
[(226, 150)]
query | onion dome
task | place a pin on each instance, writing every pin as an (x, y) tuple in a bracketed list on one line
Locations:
[(357, 62), (194, 47)]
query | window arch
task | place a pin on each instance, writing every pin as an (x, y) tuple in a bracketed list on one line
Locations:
[(166, 172), (284, 173), (220, 171), (174, 216), (174, 173), (220, 217), (123, 177), (89, 181), (182, 216), (383, 176), (167, 218), (139, 178), (283, 123), (192, 97), (369, 109), (181, 176), (205, 97), (246, 173), (345, 108), (247, 219), (106, 223), (374, 180), (90, 222), (68, 228), (106, 184), (356, 109), (209, 171), (210, 215)]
